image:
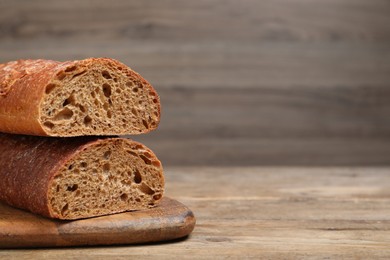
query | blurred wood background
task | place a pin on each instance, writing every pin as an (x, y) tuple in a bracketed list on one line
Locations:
[(273, 82)]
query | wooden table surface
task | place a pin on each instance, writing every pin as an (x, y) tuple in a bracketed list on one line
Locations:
[(254, 212)]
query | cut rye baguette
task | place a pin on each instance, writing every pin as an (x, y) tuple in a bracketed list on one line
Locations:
[(80, 177), (96, 96)]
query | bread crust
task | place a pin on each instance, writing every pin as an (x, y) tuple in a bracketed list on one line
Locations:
[(23, 88), (28, 165)]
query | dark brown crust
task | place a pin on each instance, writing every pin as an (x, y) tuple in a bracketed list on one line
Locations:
[(22, 89), (28, 164)]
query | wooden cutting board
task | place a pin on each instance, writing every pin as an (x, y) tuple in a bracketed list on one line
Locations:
[(169, 220)]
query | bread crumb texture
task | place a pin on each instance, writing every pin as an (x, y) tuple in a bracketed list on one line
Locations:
[(95, 96), (106, 178)]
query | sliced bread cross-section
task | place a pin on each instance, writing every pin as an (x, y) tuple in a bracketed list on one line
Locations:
[(95, 96), (80, 177)]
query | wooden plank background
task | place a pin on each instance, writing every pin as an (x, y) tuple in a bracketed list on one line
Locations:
[(273, 82)]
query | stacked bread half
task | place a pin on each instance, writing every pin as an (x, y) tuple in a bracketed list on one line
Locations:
[(61, 154)]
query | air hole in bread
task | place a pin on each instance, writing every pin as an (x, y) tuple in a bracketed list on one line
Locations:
[(61, 75), (156, 163), (135, 89), (64, 209), (106, 167), (70, 100), (145, 159), (124, 197), (82, 108), (109, 114), (132, 153), (134, 111), (146, 189), (145, 124), (137, 177), (64, 114), (69, 69), (155, 100), (106, 74), (72, 188), (48, 124), (49, 88), (107, 90), (87, 120), (66, 102), (107, 155), (78, 74), (157, 196), (84, 164)]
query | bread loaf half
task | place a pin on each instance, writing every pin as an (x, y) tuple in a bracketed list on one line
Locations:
[(72, 178), (96, 96)]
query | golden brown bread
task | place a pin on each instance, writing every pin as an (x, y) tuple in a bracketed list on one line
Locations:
[(80, 177), (96, 96)]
